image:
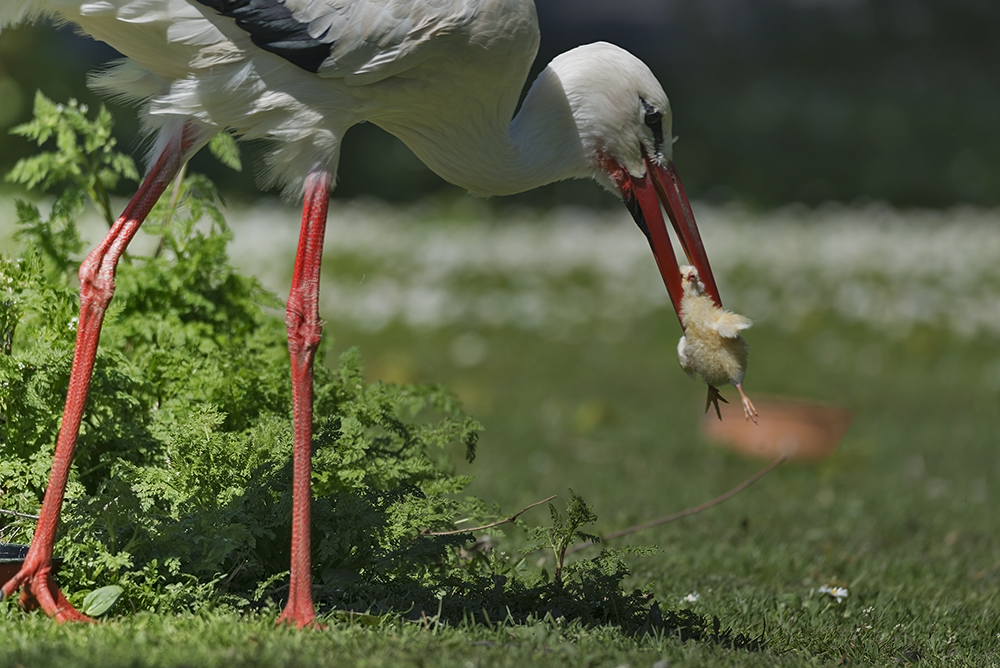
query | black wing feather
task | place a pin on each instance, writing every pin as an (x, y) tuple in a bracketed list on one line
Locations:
[(274, 28)]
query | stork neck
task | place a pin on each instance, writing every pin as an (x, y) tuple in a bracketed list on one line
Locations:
[(545, 138), (487, 154)]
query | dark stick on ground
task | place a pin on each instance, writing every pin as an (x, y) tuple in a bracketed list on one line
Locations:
[(506, 520), (684, 513)]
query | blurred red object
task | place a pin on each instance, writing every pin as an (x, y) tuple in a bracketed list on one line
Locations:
[(803, 430)]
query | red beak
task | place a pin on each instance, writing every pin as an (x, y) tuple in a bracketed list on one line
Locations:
[(643, 196)]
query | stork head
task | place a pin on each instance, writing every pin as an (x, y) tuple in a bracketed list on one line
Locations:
[(623, 120), (620, 109)]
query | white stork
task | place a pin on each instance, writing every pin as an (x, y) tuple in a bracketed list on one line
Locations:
[(442, 75)]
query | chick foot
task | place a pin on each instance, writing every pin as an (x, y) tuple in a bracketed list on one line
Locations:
[(748, 408), (714, 397)]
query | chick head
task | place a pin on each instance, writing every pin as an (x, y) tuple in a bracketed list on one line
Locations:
[(690, 281)]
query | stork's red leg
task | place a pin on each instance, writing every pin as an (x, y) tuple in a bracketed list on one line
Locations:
[(303, 324), (97, 285)]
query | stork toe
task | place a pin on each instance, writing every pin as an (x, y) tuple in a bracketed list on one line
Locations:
[(39, 590)]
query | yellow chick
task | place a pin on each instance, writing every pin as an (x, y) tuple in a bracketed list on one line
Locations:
[(712, 346)]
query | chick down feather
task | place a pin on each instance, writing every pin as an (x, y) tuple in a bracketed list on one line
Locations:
[(712, 346)]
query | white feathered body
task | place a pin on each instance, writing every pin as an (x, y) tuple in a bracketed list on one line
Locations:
[(436, 73)]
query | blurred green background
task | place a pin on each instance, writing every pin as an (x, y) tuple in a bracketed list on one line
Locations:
[(775, 101)]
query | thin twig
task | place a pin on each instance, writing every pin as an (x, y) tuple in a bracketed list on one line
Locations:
[(14, 513), (175, 196), (508, 520), (229, 578), (684, 513)]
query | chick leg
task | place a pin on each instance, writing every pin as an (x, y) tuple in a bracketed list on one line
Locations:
[(714, 397), (748, 408)]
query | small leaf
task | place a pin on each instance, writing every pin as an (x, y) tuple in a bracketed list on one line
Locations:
[(361, 618), (224, 147), (100, 600)]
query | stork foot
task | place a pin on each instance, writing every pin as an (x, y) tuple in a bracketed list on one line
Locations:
[(39, 590), (714, 397), (300, 616), (748, 408)]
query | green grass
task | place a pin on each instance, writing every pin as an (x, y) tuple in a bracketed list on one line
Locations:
[(230, 641), (902, 514)]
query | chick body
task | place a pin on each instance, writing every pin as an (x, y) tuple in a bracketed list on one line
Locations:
[(712, 346)]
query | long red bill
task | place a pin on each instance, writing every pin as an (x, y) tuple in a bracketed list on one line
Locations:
[(643, 197)]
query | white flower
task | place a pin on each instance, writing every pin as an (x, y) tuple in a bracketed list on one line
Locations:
[(839, 593), (691, 598)]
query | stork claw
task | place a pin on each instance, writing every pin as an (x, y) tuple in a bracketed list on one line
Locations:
[(714, 397), (39, 590), (299, 623), (299, 613)]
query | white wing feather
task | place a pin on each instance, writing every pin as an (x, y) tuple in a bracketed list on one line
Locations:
[(187, 62), (373, 40), (729, 325), (370, 39), (682, 357)]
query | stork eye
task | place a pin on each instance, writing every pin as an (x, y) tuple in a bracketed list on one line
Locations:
[(654, 121)]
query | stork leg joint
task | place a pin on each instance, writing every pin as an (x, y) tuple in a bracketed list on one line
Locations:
[(304, 329), (97, 281)]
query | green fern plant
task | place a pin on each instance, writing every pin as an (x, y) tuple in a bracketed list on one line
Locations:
[(85, 160), (565, 531), (182, 469)]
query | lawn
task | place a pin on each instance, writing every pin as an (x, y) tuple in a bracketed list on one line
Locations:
[(555, 332)]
